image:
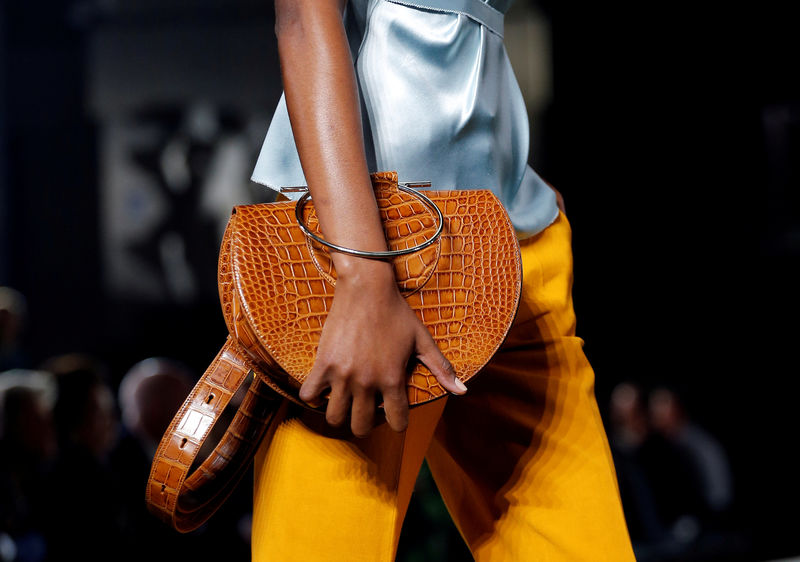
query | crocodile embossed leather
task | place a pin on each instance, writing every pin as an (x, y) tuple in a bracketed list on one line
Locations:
[(276, 287)]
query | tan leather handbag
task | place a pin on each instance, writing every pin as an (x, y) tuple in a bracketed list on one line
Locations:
[(456, 261)]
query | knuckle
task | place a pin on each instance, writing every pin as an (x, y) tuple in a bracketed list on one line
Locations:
[(395, 394), (392, 381), (321, 361), (364, 381), (447, 366), (342, 373)]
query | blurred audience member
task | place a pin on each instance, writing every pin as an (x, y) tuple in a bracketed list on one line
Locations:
[(628, 417), (629, 434), (149, 396), (675, 480), (86, 512), (13, 315), (27, 449), (85, 411), (704, 456)]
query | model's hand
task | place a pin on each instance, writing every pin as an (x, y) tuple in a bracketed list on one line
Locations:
[(369, 337)]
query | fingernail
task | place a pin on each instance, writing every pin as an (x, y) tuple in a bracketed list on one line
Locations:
[(460, 385)]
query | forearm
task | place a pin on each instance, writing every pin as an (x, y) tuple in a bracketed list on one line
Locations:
[(322, 99), (354, 362)]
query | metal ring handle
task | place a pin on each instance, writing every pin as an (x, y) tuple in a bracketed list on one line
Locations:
[(301, 203)]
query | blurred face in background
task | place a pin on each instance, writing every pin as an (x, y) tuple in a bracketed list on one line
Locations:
[(666, 413), (99, 427), (28, 423)]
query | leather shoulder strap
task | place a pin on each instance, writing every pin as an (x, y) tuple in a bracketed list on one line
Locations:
[(183, 500)]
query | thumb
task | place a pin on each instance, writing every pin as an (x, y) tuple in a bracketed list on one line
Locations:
[(433, 358)]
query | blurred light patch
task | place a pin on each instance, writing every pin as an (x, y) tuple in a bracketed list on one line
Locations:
[(181, 113)]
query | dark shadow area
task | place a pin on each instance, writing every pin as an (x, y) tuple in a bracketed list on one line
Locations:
[(128, 130)]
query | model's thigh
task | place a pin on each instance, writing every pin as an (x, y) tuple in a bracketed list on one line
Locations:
[(522, 460), (322, 494)]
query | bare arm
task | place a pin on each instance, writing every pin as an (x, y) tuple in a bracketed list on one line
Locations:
[(370, 332)]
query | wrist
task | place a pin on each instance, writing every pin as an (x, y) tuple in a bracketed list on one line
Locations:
[(363, 273)]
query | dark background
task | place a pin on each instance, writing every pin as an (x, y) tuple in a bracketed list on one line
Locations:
[(673, 135)]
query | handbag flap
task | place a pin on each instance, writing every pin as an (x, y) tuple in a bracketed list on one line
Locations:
[(276, 287)]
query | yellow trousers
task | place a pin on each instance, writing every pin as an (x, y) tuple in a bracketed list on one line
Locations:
[(521, 460)]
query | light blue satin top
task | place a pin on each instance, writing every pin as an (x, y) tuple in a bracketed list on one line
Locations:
[(439, 102)]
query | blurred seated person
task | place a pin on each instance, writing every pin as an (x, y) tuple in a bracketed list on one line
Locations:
[(629, 426), (13, 315), (86, 515), (703, 454), (629, 436), (27, 449), (150, 394), (674, 477)]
